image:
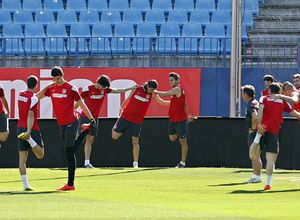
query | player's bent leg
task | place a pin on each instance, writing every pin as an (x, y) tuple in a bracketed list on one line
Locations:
[(4, 136), (254, 151), (115, 135), (38, 151), (87, 151), (184, 148), (173, 137)]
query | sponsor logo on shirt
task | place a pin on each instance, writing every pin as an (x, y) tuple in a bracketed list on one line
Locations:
[(23, 99), (97, 96), (141, 98), (275, 100), (58, 95)]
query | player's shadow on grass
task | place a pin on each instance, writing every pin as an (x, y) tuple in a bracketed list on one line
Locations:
[(263, 191), (13, 193), (277, 171), (228, 184)]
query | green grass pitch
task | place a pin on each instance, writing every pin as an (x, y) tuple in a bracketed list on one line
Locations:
[(150, 193)]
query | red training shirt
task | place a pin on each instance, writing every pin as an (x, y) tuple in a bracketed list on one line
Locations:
[(177, 111), (297, 106), (264, 92), (63, 98), (1, 103), (27, 102), (138, 105), (93, 99), (272, 115)]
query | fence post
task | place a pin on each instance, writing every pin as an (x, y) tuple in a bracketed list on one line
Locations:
[(150, 52), (224, 52)]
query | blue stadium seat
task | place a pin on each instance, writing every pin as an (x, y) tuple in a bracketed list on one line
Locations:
[(53, 5), (142, 5), (33, 44), (201, 17), (89, 16), (187, 5), (23, 17), (178, 16), (101, 34), (76, 5), (32, 5), (132, 16), (81, 30), (111, 16), (165, 5), (247, 19), (145, 32), (156, 16), (44, 17), (210, 44), (98, 5), (228, 40), (121, 44), (118, 4), (166, 44), (188, 44), (11, 5), (67, 17), (54, 44), (206, 5), (252, 6), (5, 17), (13, 46), (224, 5), (223, 17)]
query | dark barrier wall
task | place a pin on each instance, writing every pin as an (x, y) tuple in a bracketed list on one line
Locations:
[(215, 87), (213, 142)]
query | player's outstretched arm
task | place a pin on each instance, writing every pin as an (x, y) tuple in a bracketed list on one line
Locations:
[(85, 109), (124, 104), (174, 91), (295, 114), (5, 105), (41, 93), (160, 100), (259, 118), (30, 120), (123, 89)]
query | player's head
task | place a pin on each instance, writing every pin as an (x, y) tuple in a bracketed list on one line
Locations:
[(57, 75), (32, 82), (274, 88), (174, 79), (268, 79), (103, 81), (287, 88), (248, 92), (150, 86), (296, 80)]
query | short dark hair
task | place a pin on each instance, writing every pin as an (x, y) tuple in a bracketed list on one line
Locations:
[(249, 90), (56, 71), (174, 75), (287, 85), (104, 81), (269, 78), (32, 81), (274, 87), (151, 84), (297, 75)]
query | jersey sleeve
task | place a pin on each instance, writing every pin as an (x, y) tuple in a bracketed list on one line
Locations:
[(107, 90), (262, 100), (85, 92), (47, 93), (75, 93), (33, 104), (287, 107), (1, 91)]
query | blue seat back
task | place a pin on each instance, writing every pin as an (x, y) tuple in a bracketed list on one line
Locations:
[(5, 17), (44, 17), (155, 16), (206, 5), (12, 30), (132, 16), (76, 5), (53, 5), (32, 5), (165, 5), (170, 30), (34, 30), (146, 30), (187, 5), (140, 4), (67, 17), (101, 30), (111, 16), (199, 16), (89, 16), (223, 17), (214, 30), (224, 5), (23, 17), (192, 30), (80, 29), (11, 5), (98, 5), (179, 16), (118, 4), (56, 30)]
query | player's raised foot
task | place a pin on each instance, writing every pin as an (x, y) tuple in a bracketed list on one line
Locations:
[(29, 188), (66, 187), (180, 165), (253, 180), (89, 166), (21, 135), (267, 187), (135, 165)]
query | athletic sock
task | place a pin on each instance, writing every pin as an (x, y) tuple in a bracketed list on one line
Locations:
[(86, 162), (183, 163), (257, 138), (268, 182), (31, 142), (71, 164), (24, 180), (257, 177)]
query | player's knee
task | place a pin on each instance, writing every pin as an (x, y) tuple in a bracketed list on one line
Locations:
[(135, 142), (4, 136), (172, 137), (252, 156), (40, 156)]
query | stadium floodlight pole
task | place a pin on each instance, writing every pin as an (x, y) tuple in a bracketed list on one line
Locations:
[(239, 98), (234, 58)]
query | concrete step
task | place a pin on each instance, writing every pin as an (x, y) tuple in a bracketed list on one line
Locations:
[(269, 11), (281, 3), (276, 24), (273, 32)]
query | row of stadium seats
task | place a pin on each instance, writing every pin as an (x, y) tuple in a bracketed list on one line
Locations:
[(100, 5), (158, 17), (169, 42)]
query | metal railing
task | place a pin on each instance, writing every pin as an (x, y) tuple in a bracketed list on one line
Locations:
[(187, 52)]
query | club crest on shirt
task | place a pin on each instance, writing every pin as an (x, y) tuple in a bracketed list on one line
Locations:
[(102, 92), (64, 90), (147, 96)]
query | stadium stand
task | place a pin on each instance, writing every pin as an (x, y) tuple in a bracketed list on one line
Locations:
[(211, 45), (11, 5), (189, 43), (55, 44), (142, 5), (118, 4), (165, 5), (187, 5), (166, 44), (132, 16), (206, 5), (32, 5), (78, 34), (54, 6), (22, 17), (5, 17), (145, 34), (89, 16), (67, 17), (201, 17), (178, 16), (44, 17), (101, 33), (33, 44), (98, 5), (122, 44), (13, 46), (156, 16), (111, 16), (76, 5)]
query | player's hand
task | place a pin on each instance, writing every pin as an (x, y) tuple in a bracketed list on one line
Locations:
[(261, 129), (133, 87), (93, 124), (50, 85), (26, 136), (191, 118)]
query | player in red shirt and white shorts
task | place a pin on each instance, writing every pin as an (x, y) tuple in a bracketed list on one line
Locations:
[(133, 111), (178, 114), (269, 120), (4, 112), (63, 94), (93, 97)]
